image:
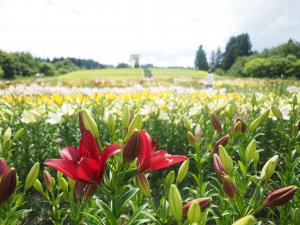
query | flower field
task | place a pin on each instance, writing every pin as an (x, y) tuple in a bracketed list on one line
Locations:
[(154, 152)]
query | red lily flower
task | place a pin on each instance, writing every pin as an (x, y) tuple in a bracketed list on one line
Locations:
[(84, 164), (150, 158)]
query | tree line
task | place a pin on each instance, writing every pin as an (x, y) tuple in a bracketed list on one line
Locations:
[(238, 59), (24, 64)]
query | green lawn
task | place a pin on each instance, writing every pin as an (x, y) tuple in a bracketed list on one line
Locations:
[(177, 73), (103, 74)]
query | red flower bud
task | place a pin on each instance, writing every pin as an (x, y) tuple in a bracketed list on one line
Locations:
[(131, 148), (203, 203), (4, 169), (8, 184), (229, 187), (47, 179), (219, 167), (280, 196), (81, 124), (222, 141), (89, 190), (216, 122)]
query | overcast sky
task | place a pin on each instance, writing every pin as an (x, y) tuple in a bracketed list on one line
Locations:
[(163, 32)]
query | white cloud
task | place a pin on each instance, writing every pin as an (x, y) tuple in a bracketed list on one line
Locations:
[(164, 32)]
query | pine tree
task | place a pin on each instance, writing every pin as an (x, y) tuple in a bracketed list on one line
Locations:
[(201, 61)]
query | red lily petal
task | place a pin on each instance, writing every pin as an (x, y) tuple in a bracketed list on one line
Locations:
[(4, 169), (67, 167), (89, 170), (160, 161), (145, 147), (88, 146), (109, 151), (69, 153)]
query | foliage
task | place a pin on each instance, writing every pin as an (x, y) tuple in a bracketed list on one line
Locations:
[(24, 64), (236, 46), (201, 61)]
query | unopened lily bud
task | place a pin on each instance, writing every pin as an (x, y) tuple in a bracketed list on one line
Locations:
[(38, 186), (238, 121), (216, 122), (71, 183), (225, 159), (280, 196), (125, 117), (229, 187), (251, 152), (47, 179), (135, 124), (253, 101), (7, 134), (64, 185), (182, 172), (222, 141), (246, 220), (269, 168), (170, 178), (143, 184), (81, 124), (191, 138), (198, 132), (131, 148), (203, 203), (259, 120), (194, 213), (111, 123), (32, 176), (218, 166), (8, 183), (296, 216), (59, 175), (19, 134), (89, 123), (237, 128), (295, 101), (276, 112), (175, 202), (187, 123)]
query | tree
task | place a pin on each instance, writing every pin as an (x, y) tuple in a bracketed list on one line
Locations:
[(201, 61), (8, 65), (212, 63), (218, 58), (135, 58), (235, 47), (47, 69), (122, 66)]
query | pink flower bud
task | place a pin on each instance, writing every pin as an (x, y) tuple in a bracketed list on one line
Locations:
[(280, 196), (203, 203), (219, 167), (222, 141), (216, 122), (47, 179), (81, 124), (229, 187), (8, 184)]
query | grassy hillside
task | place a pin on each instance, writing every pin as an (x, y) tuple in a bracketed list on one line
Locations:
[(177, 73), (103, 74)]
